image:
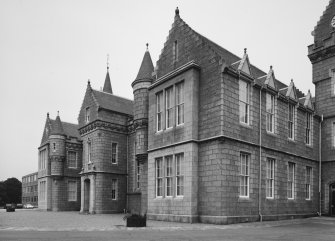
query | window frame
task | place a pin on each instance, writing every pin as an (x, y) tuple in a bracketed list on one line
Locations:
[(168, 177), (138, 174), (87, 115), (159, 177), (308, 182), (270, 115), (179, 174), (114, 154), (75, 160), (169, 107), (180, 103), (309, 126), (114, 189), (246, 103), (291, 181), (244, 177), (159, 111), (72, 193), (270, 177), (89, 151), (291, 121)]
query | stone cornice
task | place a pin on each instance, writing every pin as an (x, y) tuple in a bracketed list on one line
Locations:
[(174, 73), (99, 124), (321, 54)]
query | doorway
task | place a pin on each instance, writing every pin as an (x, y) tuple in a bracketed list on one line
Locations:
[(332, 199), (87, 187)]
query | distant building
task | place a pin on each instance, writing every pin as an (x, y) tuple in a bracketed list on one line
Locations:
[(209, 137), (30, 189)]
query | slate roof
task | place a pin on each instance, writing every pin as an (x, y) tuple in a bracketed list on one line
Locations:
[(107, 85), (233, 60), (69, 129), (113, 102), (146, 69)]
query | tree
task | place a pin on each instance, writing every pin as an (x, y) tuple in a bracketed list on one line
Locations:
[(10, 191)]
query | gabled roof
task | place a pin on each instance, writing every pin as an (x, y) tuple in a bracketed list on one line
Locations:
[(58, 127), (244, 65), (308, 101), (112, 102), (291, 92), (230, 59)]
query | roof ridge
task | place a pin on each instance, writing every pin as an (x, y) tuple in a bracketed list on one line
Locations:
[(112, 95)]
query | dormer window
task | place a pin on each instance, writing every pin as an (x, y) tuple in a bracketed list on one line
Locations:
[(87, 115), (270, 113)]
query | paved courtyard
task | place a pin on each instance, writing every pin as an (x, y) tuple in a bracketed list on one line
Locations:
[(39, 225)]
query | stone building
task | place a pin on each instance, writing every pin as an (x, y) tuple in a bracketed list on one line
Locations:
[(29, 189), (59, 164), (209, 137)]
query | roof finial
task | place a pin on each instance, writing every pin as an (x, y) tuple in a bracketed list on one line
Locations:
[(47, 114), (88, 82), (58, 113), (245, 50), (107, 62), (271, 67), (177, 11), (147, 44)]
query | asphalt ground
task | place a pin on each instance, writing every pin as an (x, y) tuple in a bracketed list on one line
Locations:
[(40, 225)]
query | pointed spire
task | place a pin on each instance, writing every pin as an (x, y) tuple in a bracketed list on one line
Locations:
[(244, 65), (107, 86), (47, 115), (146, 69), (57, 127)]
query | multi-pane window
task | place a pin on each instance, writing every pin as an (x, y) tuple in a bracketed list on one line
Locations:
[(114, 153), (159, 177), (244, 174), (138, 174), (87, 114), (114, 189), (42, 190), (169, 107), (89, 152), (180, 103), (72, 191), (159, 110), (72, 159), (244, 101), (270, 112), (270, 177), (308, 128), (43, 159), (168, 176), (291, 121), (291, 180), (333, 134), (308, 182), (179, 159)]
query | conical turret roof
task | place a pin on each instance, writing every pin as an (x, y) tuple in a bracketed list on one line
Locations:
[(57, 127), (107, 86), (146, 68)]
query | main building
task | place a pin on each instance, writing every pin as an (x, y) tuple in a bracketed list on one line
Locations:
[(209, 137)]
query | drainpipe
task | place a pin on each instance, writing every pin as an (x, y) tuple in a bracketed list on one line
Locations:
[(260, 157), (320, 165), (125, 210)]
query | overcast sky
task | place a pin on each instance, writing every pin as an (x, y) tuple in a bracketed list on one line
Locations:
[(49, 49)]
